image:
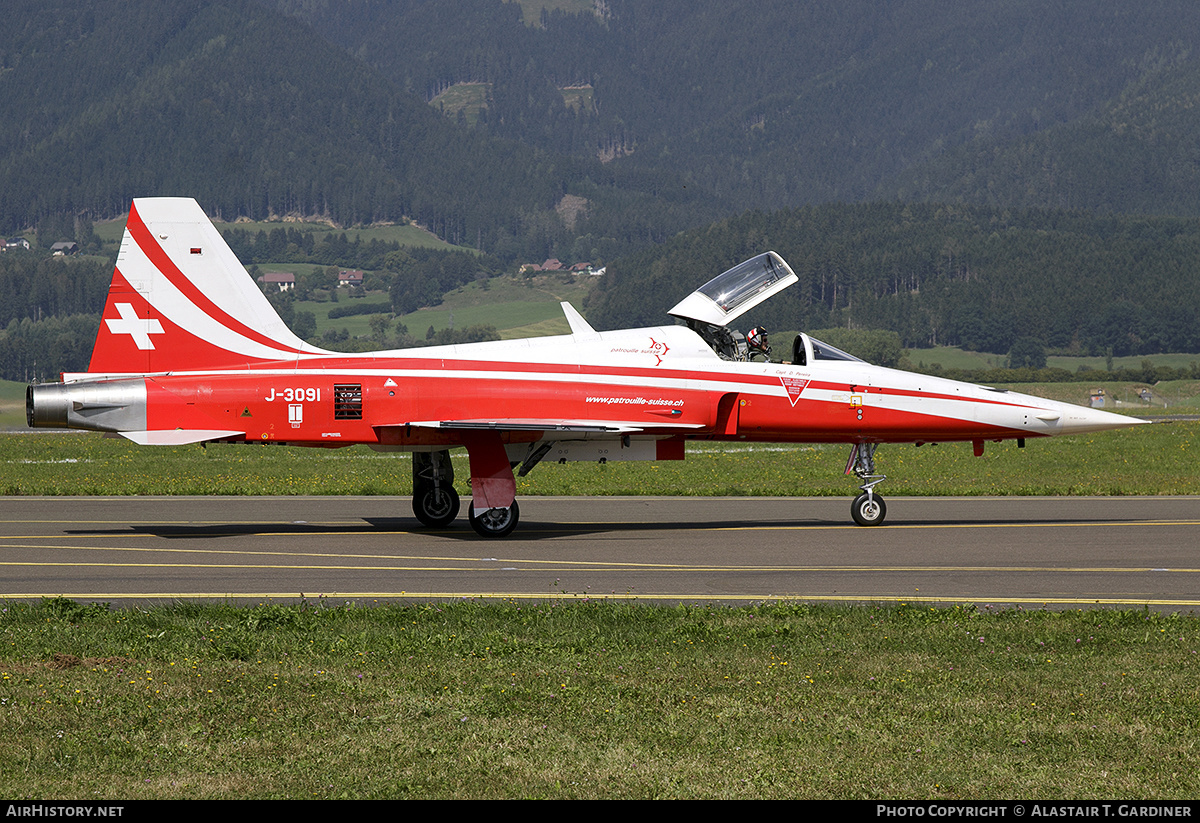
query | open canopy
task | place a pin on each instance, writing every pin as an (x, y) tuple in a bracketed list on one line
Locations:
[(733, 293)]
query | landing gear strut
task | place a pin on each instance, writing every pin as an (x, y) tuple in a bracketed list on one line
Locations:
[(868, 509), (434, 501)]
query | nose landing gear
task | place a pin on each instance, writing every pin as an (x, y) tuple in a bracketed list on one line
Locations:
[(868, 509)]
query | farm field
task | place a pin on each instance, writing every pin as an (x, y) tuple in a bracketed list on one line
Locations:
[(110, 232), (953, 357), (516, 306), (1167, 397)]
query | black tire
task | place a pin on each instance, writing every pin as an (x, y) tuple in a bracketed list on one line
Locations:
[(495, 522), (868, 511), (435, 512)]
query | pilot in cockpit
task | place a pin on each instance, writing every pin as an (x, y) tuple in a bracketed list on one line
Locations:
[(757, 345)]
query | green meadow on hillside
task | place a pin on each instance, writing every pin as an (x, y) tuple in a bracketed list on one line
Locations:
[(516, 306), (111, 231)]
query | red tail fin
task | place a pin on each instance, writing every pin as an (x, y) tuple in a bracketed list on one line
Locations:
[(180, 300)]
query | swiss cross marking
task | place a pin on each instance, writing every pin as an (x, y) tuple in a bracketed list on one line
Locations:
[(136, 327)]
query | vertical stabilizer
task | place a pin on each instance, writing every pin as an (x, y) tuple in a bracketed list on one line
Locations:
[(180, 299)]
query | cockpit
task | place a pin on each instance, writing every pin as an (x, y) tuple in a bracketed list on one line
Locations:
[(806, 349), (709, 310)]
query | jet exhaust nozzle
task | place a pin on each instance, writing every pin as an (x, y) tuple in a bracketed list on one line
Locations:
[(106, 405)]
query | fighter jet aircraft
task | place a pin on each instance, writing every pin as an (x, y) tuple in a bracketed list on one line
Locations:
[(190, 351)]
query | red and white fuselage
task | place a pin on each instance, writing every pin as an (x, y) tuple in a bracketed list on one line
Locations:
[(189, 350)]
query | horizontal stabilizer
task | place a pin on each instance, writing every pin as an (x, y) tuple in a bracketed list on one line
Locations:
[(178, 437)]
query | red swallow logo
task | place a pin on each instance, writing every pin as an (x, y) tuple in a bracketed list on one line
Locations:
[(659, 350)]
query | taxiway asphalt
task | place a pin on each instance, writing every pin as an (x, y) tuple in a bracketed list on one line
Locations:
[(1058, 552)]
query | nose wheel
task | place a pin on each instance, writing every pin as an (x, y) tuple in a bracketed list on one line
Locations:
[(868, 509)]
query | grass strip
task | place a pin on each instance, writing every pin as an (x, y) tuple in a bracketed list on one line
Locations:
[(1152, 459), (593, 699)]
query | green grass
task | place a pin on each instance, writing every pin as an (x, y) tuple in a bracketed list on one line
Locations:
[(531, 10), (1168, 396), (579, 698), (514, 318), (12, 405), (1154, 459), (358, 325), (111, 231), (405, 235), (952, 357), (595, 699), (468, 98), (516, 306), (580, 98)]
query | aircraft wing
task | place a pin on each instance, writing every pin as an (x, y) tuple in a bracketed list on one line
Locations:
[(531, 424)]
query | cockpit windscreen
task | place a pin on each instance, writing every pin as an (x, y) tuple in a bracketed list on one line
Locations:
[(824, 351)]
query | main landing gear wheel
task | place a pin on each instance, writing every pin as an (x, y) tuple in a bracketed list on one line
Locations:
[(868, 510), (436, 508), (494, 522)]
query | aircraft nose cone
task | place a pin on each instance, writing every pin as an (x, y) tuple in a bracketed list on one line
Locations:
[(1080, 419)]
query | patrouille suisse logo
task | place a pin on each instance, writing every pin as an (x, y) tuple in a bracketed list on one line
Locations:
[(794, 386), (657, 350)]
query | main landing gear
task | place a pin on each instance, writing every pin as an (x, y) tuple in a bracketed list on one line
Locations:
[(498, 522), (436, 503), (434, 500), (868, 509)]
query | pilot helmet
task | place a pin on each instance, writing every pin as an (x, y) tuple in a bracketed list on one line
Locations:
[(756, 339)]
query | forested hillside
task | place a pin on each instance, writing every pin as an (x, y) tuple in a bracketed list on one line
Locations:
[(700, 108), (616, 133), (1135, 154), (254, 115), (943, 275), (764, 105)]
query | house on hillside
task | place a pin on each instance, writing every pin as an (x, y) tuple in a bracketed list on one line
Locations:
[(554, 264), (16, 243), (64, 247), (281, 280), (350, 277)]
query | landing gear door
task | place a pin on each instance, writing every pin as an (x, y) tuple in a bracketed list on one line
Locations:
[(733, 293)]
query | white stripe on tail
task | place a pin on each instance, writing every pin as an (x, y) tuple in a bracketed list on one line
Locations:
[(180, 300)]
